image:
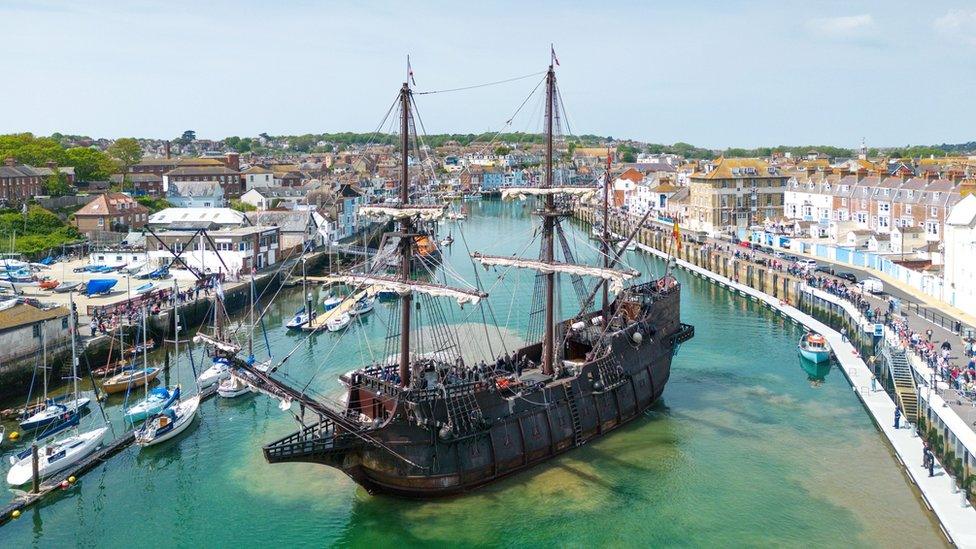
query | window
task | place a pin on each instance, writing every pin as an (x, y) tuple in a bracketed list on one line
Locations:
[(843, 202), (64, 323), (933, 212), (101, 221), (37, 330), (908, 209)]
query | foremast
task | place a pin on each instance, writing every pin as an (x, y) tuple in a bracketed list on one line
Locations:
[(548, 220)]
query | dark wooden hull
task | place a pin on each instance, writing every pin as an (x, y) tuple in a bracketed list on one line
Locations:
[(519, 433)]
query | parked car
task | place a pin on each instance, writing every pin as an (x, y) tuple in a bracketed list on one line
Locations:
[(790, 257), (824, 269), (807, 263), (778, 254), (846, 276), (745, 244), (871, 285)]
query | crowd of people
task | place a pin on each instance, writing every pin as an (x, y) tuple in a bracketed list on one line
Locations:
[(106, 319)]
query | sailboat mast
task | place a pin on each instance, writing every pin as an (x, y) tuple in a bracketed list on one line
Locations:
[(605, 247), (44, 359), (145, 348), (250, 334), (548, 219), (74, 356), (176, 324), (406, 239)]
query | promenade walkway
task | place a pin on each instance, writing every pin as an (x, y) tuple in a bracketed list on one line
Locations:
[(957, 517)]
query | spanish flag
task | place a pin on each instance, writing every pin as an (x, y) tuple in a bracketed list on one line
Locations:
[(676, 235)]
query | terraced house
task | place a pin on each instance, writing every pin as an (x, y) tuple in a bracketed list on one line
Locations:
[(20, 182), (874, 203), (734, 193)]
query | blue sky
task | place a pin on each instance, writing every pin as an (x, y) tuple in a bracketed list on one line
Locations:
[(717, 74)]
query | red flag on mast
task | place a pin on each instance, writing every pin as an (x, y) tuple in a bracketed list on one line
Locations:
[(410, 72), (554, 58)]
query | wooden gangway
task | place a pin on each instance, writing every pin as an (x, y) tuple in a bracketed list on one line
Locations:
[(321, 319)]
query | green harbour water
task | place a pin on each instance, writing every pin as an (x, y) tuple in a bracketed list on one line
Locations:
[(745, 448)]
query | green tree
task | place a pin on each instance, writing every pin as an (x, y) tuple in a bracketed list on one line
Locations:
[(502, 150), (25, 148), (90, 164), (57, 183), (241, 206), (127, 152), (188, 137), (154, 204)]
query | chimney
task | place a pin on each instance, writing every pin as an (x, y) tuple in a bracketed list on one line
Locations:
[(233, 161), (166, 148), (51, 164), (9, 161)]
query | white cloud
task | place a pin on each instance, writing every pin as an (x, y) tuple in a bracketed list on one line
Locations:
[(845, 27), (958, 25)]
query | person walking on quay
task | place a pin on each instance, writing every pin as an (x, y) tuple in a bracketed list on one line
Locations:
[(897, 418), (928, 334), (874, 382), (931, 464), (843, 334)]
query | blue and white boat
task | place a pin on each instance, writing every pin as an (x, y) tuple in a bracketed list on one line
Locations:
[(363, 306), (158, 400), (145, 288), (331, 301), (814, 347), (54, 411), (300, 319)]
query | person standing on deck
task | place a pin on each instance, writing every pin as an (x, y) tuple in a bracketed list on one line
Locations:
[(897, 418)]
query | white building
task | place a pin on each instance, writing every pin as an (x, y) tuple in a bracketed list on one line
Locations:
[(257, 176), (960, 255)]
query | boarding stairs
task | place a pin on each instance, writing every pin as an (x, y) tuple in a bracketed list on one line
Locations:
[(574, 414), (904, 382)]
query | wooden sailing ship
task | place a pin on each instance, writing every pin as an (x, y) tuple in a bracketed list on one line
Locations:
[(427, 425)]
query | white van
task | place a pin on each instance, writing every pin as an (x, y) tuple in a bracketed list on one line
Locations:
[(871, 285)]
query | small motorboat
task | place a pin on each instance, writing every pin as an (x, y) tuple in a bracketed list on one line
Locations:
[(338, 323), (67, 287), (300, 319), (363, 306), (218, 371), (162, 272), (331, 301), (291, 282), (232, 387), (100, 286), (168, 423), (48, 284), (814, 347), (447, 241), (631, 247), (158, 400), (135, 267), (145, 288), (55, 457), (144, 272), (128, 379)]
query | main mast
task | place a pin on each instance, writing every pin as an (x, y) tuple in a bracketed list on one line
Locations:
[(548, 219), (406, 239), (606, 234)]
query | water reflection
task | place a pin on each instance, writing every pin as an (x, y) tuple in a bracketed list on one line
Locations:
[(816, 371)]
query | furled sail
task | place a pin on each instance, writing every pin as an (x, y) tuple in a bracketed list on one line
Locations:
[(406, 287), (585, 193), (220, 345), (615, 277), (426, 213)]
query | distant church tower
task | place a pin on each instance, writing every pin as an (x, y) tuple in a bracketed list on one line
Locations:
[(863, 152)]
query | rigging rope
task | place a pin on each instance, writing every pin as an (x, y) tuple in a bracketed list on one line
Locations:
[(486, 84)]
